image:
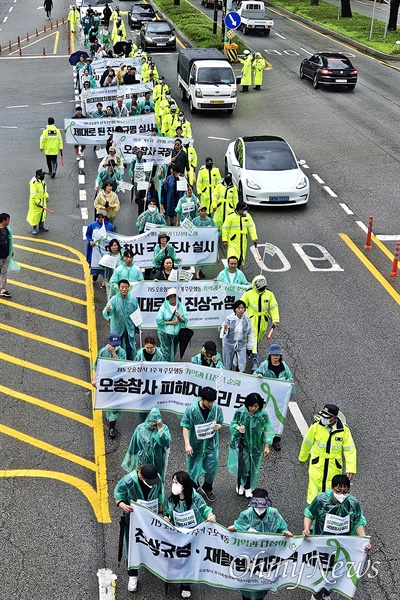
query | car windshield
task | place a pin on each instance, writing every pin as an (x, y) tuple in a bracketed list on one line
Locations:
[(339, 63), (161, 28), (214, 76), (142, 10), (269, 155)]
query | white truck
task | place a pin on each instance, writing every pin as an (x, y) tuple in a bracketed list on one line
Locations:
[(254, 18), (206, 80)]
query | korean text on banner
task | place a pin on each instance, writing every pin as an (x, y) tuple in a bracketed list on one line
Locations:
[(97, 131)]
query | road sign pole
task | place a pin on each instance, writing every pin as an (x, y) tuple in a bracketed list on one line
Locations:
[(223, 26), (215, 22)]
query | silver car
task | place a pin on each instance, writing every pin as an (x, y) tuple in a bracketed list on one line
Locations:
[(266, 171)]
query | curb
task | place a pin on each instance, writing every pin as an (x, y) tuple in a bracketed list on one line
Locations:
[(342, 38)]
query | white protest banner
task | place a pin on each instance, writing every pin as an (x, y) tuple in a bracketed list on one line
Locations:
[(204, 306), (97, 131), (100, 65), (200, 248), (140, 386), (258, 562), (159, 148), (108, 96)]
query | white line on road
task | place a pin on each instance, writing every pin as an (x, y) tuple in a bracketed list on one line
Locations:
[(81, 164), (305, 167), (84, 213), (388, 238), (7, 127), (5, 19), (330, 192), (18, 106), (49, 103), (10, 9), (318, 178), (304, 50), (298, 417), (279, 35), (217, 138), (84, 232), (362, 225), (81, 179), (346, 208), (82, 195)]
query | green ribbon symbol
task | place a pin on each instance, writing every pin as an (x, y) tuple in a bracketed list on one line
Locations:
[(69, 128), (349, 562), (267, 391)]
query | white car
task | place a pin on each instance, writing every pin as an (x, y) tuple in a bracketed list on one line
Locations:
[(266, 171)]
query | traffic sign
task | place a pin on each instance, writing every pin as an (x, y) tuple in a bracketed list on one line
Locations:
[(232, 20)]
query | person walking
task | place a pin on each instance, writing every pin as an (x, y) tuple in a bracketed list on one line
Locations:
[(79, 150), (170, 195), (208, 356), (235, 229), (231, 274), (114, 351), (48, 5), (276, 368), (208, 178), (128, 270), (38, 198), (258, 65), (334, 512), (171, 318), (187, 207), (246, 70), (224, 199), (73, 18), (326, 443), (251, 436), (6, 252), (118, 311), (163, 249), (100, 222), (237, 338), (150, 215), (200, 425), (108, 201), (51, 143), (149, 352), (261, 306)]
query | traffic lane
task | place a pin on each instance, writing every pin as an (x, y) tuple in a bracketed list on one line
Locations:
[(26, 18)]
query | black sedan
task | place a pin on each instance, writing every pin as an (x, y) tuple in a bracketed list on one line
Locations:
[(157, 34), (329, 68), (140, 14)]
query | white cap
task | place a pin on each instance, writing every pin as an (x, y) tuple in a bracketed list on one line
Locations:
[(246, 52), (172, 292)]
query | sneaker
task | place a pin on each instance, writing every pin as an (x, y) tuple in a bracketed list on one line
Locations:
[(34, 231), (186, 594), (5, 294), (78, 158), (132, 584), (209, 494), (240, 490), (248, 493), (82, 154), (276, 444)]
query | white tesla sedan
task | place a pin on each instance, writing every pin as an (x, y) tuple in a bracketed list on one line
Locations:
[(266, 171)]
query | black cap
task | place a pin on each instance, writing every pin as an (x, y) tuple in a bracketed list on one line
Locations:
[(329, 411), (210, 346), (150, 474)]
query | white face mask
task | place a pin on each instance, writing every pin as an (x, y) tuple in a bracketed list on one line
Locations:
[(176, 489), (340, 497), (152, 209), (325, 421), (259, 511)]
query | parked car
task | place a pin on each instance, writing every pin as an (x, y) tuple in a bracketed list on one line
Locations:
[(157, 34), (210, 4), (329, 68), (139, 14), (266, 171)]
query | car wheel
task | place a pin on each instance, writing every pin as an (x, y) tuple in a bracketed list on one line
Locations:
[(191, 107), (301, 72), (240, 192), (244, 30), (351, 87), (182, 94), (315, 81), (229, 111), (267, 32)]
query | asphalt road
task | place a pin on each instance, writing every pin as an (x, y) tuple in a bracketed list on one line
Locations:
[(339, 328)]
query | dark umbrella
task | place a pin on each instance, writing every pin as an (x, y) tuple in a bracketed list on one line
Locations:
[(119, 47), (74, 58), (184, 337)]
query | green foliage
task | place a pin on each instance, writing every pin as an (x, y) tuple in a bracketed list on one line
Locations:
[(357, 28)]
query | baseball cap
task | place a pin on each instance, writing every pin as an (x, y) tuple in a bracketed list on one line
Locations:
[(114, 340), (150, 475), (329, 411), (172, 292)]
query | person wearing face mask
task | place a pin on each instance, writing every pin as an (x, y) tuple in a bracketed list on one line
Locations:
[(208, 178), (143, 485), (208, 357), (150, 215), (276, 368), (260, 516), (149, 444), (200, 424), (326, 442), (235, 229), (38, 198), (224, 199), (335, 512), (251, 435), (186, 508), (237, 338), (261, 306)]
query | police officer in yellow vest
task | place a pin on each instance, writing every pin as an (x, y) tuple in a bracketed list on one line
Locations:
[(224, 199), (208, 178), (246, 70), (51, 144), (327, 441), (235, 229), (258, 66), (38, 198)]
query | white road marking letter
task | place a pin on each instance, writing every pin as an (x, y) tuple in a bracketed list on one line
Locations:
[(324, 256)]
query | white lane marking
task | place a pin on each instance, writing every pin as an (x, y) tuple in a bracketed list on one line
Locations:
[(19, 106), (318, 178), (388, 238), (84, 213), (304, 50), (84, 233), (279, 35), (7, 127), (346, 208), (10, 9), (82, 195), (5, 19), (49, 103), (330, 192), (71, 100), (218, 138), (298, 418), (310, 260), (81, 179), (362, 225), (81, 164), (305, 166)]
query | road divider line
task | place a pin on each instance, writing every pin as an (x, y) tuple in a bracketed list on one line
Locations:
[(298, 418), (69, 414), (382, 247), (210, 137), (49, 103), (51, 273), (371, 268), (43, 340), (19, 106), (279, 35), (43, 313), (56, 42), (28, 439), (48, 292), (329, 191), (45, 371), (362, 225), (81, 179), (84, 213), (59, 256), (388, 238), (346, 208), (318, 178), (306, 51)]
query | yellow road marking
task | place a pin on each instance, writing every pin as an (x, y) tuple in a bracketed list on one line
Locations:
[(59, 256), (48, 292), (45, 371), (382, 247), (84, 487), (395, 295), (37, 41), (47, 406), (43, 313), (43, 340), (28, 439), (51, 273), (56, 42)]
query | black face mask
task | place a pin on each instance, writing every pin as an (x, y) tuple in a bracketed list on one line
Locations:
[(40, 177), (209, 166), (228, 180)]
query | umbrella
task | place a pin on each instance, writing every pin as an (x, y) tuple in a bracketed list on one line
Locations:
[(119, 47), (74, 58), (184, 337)]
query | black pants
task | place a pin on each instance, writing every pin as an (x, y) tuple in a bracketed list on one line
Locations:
[(48, 12), (51, 160)]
